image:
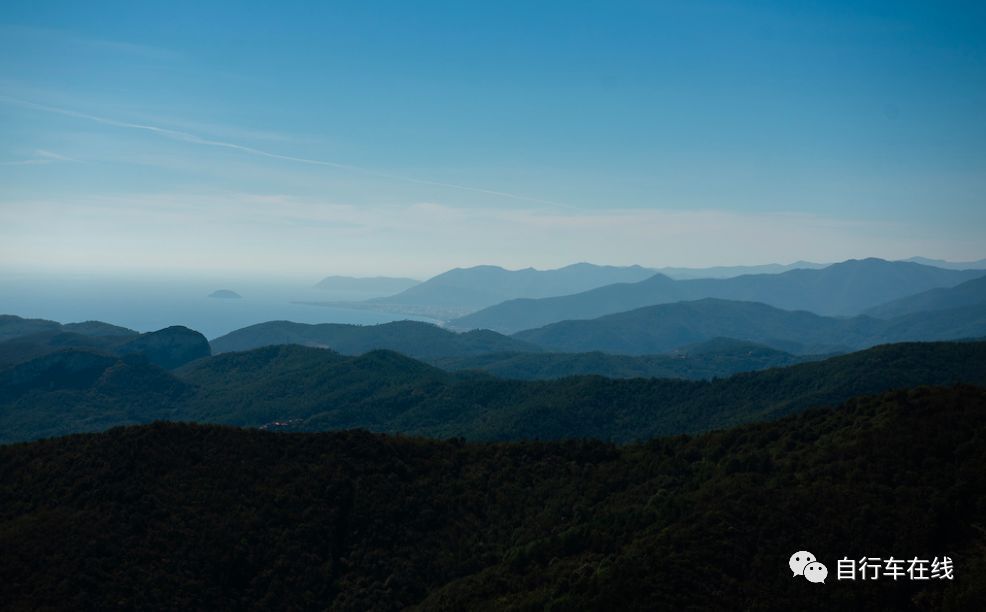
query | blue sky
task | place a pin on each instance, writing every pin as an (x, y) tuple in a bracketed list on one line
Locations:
[(410, 137)]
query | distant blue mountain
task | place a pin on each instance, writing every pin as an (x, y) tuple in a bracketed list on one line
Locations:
[(979, 264), (842, 289), (480, 286), (969, 293), (731, 271), (666, 327)]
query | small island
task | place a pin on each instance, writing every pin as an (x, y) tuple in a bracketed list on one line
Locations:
[(225, 294)]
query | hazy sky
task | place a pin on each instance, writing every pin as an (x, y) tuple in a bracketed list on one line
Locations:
[(409, 137)]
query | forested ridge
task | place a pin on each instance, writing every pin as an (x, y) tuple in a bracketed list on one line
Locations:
[(180, 516), (411, 338), (306, 389), (716, 358)]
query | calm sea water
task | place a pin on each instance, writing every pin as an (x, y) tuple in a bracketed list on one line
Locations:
[(148, 305)]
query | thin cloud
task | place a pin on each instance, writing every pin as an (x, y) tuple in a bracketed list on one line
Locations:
[(200, 140), (55, 36), (24, 162), (40, 157), (52, 156)]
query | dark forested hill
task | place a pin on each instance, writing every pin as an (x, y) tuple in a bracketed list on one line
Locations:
[(412, 338), (27, 339), (24, 348), (846, 288), (169, 347), (74, 391), (172, 516), (16, 327), (659, 329), (715, 358), (306, 389), (969, 293)]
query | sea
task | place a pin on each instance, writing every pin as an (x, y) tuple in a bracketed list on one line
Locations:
[(148, 304)]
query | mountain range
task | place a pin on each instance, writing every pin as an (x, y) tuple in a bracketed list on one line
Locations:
[(842, 289), (306, 389), (477, 350), (714, 483), (651, 330), (462, 290), (384, 391)]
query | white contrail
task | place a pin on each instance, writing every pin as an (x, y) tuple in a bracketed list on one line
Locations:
[(195, 139)]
